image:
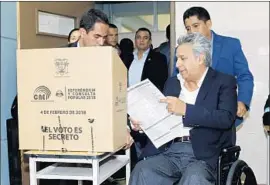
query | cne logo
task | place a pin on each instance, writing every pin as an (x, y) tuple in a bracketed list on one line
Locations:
[(42, 93)]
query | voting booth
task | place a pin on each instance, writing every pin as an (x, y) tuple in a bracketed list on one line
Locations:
[(71, 99)]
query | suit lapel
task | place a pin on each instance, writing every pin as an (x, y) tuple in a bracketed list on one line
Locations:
[(217, 45), (206, 86), (175, 90), (147, 62), (72, 44)]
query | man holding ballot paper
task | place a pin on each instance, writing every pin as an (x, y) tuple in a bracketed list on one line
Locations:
[(199, 109)]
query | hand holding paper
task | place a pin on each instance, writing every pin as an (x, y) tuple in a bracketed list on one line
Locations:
[(155, 120), (174, 105), (136, 126)]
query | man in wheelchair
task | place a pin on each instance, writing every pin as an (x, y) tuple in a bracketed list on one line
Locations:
[(206, 102)]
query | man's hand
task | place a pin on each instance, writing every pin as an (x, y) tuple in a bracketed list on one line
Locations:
[(136, 124), (241, 109), (175, 105), (129, 141)]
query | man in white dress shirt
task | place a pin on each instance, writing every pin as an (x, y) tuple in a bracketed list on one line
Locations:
[(206, 101)]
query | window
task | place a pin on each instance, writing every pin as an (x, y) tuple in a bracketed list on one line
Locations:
[(130, 16), (163, 21)]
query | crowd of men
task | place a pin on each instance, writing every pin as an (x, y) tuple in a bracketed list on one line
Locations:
[(210, 90)]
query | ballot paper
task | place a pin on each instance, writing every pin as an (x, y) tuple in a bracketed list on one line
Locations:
[(157, 123)]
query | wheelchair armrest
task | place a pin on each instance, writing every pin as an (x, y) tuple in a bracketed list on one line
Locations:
[(231, 150)]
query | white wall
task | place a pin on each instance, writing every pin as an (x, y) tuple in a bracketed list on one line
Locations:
[(248, 21)]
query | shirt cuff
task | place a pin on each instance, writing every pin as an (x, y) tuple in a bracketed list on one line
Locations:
[(132, 127)]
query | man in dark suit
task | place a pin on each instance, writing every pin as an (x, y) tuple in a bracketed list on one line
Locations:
[(227, 56), (206, 102), (146, 62), (94, 26)]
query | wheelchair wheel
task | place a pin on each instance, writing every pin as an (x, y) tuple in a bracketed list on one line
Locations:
[(241, 174)]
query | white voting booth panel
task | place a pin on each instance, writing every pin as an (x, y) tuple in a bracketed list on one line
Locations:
[(248, 21)]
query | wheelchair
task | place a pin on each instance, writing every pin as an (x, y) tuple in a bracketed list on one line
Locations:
[(232, 171)]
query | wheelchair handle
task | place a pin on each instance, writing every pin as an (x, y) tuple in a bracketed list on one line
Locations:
[(231, 150)]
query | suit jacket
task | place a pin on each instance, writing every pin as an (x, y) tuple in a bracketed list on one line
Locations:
[(72, 44), (229, 58), (164, 48), (127, 58), (212, 117), (155, 69)]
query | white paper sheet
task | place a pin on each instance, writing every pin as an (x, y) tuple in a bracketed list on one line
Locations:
[(144, 106)]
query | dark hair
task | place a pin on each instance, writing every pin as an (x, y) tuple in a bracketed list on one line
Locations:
[(200, 12), (126, 45), (91, 17), (144, 29), (70, 33), (168, 32), (112, 26)]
